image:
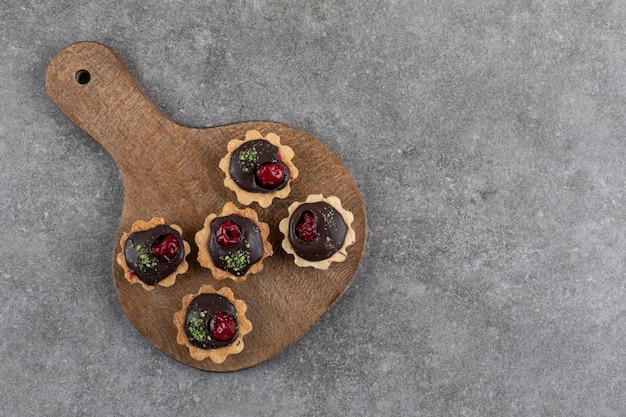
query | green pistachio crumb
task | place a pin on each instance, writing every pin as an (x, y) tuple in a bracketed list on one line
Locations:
[(197, 329), (237, 261), (328, 218), (145, 260), (247, 159), (248, 155)]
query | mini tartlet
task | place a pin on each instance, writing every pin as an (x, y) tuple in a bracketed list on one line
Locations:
[(234, 243), (153, 253), (317, 232), (258, 168), (212, 324)]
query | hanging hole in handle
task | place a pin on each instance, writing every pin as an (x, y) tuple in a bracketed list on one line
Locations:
[(83, 76)]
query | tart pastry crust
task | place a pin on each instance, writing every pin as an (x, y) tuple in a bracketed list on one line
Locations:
[(217, 355), (264, 199), (341, 254), (203, 238), (141, 225)]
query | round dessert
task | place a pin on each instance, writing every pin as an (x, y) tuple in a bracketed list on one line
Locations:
[(234, 243), (153, 253), (317, 232), (212, 324), (258, 168)]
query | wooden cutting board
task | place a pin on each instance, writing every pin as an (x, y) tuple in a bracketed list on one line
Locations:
[(171, 171)]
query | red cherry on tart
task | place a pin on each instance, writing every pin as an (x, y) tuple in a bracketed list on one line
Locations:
[(228, 234), (222, 326), (166, 248), (270, 175)]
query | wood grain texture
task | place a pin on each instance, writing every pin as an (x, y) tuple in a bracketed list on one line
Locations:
[(171, 171)]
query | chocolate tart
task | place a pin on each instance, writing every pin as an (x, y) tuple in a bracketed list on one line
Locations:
[(317, 232), (258, 168), (234, 243), (153, 253), (212, 324)]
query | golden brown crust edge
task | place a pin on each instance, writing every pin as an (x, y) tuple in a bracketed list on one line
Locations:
[(263, 199), (338, 256), (141, 225), (203, 237), (216, 355)]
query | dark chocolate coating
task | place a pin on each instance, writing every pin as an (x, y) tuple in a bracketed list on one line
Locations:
[(157, 269), (331, 231), (242, 169), (209, 304), (250, 235)]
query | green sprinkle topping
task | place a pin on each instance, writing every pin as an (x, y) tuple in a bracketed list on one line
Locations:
[(196, 328), (328, 215), (145, 260), (236, 262), (247, 158), (248, 155)]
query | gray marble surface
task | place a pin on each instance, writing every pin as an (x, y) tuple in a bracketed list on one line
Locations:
[(488, 142)]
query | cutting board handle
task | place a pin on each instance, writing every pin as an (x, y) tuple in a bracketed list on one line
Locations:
[(93, 88)]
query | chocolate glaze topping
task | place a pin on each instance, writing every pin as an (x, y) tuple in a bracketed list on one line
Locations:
[(199, 314), (331, 231), (238, 258), (247, 158), (141, 260)]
